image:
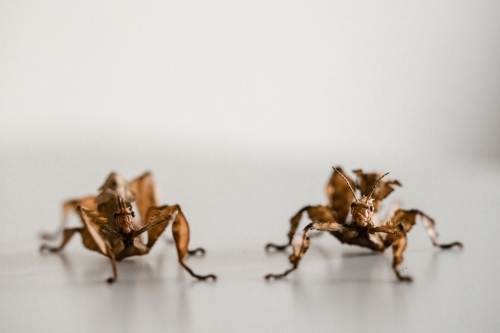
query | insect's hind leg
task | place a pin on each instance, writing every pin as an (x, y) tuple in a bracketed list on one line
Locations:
[(67, 207), (67, 234), (430, 228), (294, 223)]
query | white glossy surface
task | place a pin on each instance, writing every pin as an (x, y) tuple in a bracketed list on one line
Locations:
[(336, 288), (240, 108)]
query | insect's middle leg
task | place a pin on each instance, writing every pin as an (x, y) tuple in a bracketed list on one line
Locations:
[(91, 239), (294, 224), (430, 227), (300, 246), (67, 234), (67, 207), (88, 243)]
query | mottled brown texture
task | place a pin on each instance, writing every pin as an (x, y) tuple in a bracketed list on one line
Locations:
[(359, 229), (339, 194), (366, 181), (109, 224)]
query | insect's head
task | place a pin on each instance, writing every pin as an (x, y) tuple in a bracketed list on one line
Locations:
[(362, 210), (124, 217)]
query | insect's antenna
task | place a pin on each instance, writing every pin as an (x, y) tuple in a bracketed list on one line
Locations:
[(348, 184), (375, 186)]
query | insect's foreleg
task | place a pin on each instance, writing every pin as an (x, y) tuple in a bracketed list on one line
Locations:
[(384, 229), (300, 245), (180, 230), (195, 251), (398, 248), (160, 218), (67, 234), (113, 264), (294, 224)]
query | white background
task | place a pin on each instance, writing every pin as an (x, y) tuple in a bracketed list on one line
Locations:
[(240, 109)]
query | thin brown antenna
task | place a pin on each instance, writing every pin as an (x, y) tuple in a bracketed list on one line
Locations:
[(374, 186), (348, 184)]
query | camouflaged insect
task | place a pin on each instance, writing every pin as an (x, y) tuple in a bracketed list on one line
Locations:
[(355, 221), (110, 227)]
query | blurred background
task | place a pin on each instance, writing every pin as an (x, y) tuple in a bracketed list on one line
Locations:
[(284, 78), (240, 109)]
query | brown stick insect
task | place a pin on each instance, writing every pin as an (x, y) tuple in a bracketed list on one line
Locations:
[(109, 224), (363, 228)]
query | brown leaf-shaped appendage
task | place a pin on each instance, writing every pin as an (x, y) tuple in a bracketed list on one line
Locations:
[(91, 235), (155, 218), (339, 194), (406, 218), (403, 220), (180, 230), (145, 194), (366, 181), (95, 217)]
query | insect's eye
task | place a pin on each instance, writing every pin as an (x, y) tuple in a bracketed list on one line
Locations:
[(132, 213), (371, 208), (115, 215)]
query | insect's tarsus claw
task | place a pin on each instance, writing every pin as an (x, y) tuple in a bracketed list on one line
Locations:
[(110, 280), (449, 246), (195, 251), (280, 276), (206, 277), (44, 247), (47, 236), (403, 278), (406, 279), (276, 247)]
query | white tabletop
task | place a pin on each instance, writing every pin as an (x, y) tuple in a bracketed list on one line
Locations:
[(235, 207)]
